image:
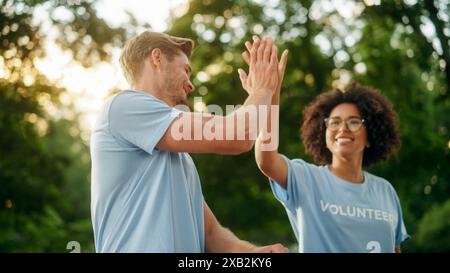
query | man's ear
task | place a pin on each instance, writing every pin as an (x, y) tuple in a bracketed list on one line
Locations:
[(155, 57)]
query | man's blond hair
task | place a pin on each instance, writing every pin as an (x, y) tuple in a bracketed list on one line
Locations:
[(139, 47)]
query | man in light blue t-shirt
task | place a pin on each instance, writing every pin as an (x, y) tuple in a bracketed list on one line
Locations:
[(146, 193)]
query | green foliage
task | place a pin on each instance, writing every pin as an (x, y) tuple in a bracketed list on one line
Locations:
[(433, 233), (396, 57), (44, 161)]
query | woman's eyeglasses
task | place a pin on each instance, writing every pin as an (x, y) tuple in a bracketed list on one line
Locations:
[(353, 124)]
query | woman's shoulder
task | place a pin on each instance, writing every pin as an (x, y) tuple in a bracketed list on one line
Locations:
[(301, 164), (379, 182)]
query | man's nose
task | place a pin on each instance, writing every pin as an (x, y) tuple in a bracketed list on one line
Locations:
[(190, 86)]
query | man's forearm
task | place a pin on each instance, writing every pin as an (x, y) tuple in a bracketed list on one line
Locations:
[(222, 240), (245, 122)]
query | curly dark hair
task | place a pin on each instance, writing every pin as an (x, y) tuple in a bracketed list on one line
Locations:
[(377, 111)]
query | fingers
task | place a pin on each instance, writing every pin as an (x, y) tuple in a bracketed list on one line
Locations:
[(242, 74), (248, 45), (274, 56), (260, 51), (282, 64), (279, 248), (266, 70), (254, 50), (267, 49), (243, 77), (244, 80), (276, 248), (246, 56)]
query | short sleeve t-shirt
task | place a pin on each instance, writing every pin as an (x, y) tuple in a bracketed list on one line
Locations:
[(142, 199), (329, 214)]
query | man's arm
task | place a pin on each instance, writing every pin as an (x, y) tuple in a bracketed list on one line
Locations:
[(195, 127), (263, 78), (220, 239)]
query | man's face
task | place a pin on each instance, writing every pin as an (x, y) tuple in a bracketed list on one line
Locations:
[(176, 82)]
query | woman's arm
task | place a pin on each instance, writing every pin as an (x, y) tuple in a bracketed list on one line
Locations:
[(269, 161)]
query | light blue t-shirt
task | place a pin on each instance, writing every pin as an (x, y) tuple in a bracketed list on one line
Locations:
[(142, 199), (329, 214)]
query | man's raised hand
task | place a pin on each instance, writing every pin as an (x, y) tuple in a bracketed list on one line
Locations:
[(246, 57)]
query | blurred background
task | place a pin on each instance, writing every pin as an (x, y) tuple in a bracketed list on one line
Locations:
[(59, 62)]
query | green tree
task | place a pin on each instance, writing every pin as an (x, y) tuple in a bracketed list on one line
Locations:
[(379, 45), (44, 163), (432, 235)]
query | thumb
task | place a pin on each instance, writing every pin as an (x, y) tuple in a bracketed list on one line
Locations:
[(282, 68), (282, 64), (244, 79), (243, 76)]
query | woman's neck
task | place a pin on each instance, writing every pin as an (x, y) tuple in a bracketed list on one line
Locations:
[(349, 170)]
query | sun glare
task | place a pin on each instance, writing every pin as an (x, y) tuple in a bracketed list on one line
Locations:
[(88, 88)]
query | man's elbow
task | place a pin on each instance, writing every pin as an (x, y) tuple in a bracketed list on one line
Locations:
[(241, 147), (263, 164), (247, 146)]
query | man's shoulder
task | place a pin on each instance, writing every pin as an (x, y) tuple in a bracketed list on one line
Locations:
[(131, 99), (128, 94)]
